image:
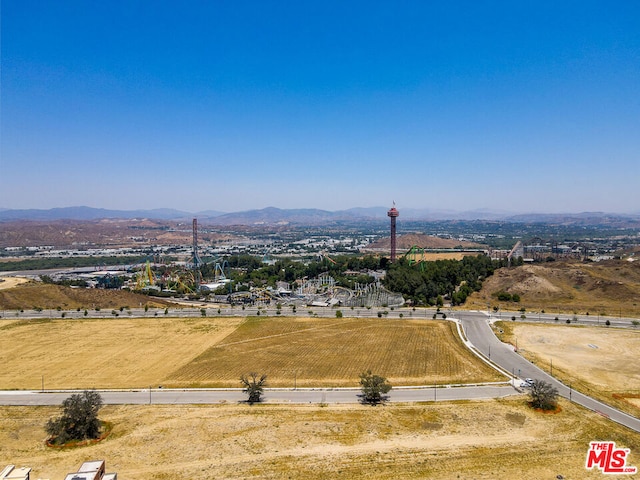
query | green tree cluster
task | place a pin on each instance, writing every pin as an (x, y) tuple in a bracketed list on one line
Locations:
[(250, 270), (506, 296), (454, 279)]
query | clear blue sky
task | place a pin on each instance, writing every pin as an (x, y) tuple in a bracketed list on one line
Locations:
[(525, 106)]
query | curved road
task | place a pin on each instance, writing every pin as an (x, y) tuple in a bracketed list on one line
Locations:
[(478, 331)]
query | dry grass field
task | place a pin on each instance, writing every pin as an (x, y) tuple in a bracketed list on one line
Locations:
[(10, 282), (38, 295), (599, 361), (611, 287), (493, 439), (115, 353), (109, 353), (334, 353)]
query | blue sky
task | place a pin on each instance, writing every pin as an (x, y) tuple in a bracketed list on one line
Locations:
[(517, 106)]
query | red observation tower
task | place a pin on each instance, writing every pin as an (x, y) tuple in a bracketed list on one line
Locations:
[(393, 214)]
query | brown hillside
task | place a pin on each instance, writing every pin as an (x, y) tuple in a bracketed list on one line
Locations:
[(106, 232), (46, 296), (611, 287), (405, 242)]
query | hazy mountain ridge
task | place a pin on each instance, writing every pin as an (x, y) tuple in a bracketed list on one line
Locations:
[(91, 213), (273, 215)]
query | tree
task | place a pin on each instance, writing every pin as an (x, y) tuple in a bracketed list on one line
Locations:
[(374, 387), (79, 420), (253, 386), (543, 395)]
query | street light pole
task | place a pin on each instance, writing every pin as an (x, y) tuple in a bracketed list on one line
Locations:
[(569, 392)]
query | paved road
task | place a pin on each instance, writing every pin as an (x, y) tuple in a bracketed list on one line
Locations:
[(210, 396), (475, 325), (479, 333), (214, 310)]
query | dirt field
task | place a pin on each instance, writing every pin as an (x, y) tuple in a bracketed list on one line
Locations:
[(611, 288), (10, 282), (596, 360), (495, 439), (113, 353)]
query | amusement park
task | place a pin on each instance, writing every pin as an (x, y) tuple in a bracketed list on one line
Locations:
[(322, 281)]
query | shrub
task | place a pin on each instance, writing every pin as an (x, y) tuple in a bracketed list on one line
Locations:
[(543, 395)]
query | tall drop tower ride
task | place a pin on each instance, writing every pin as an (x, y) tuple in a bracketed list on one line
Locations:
[(196, 263), (393, 214), (195, 259)]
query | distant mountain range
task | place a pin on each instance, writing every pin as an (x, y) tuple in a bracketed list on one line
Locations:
[(312, 216)]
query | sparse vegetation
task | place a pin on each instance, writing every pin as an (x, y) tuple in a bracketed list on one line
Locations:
[(610, 286), (482, 439)]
